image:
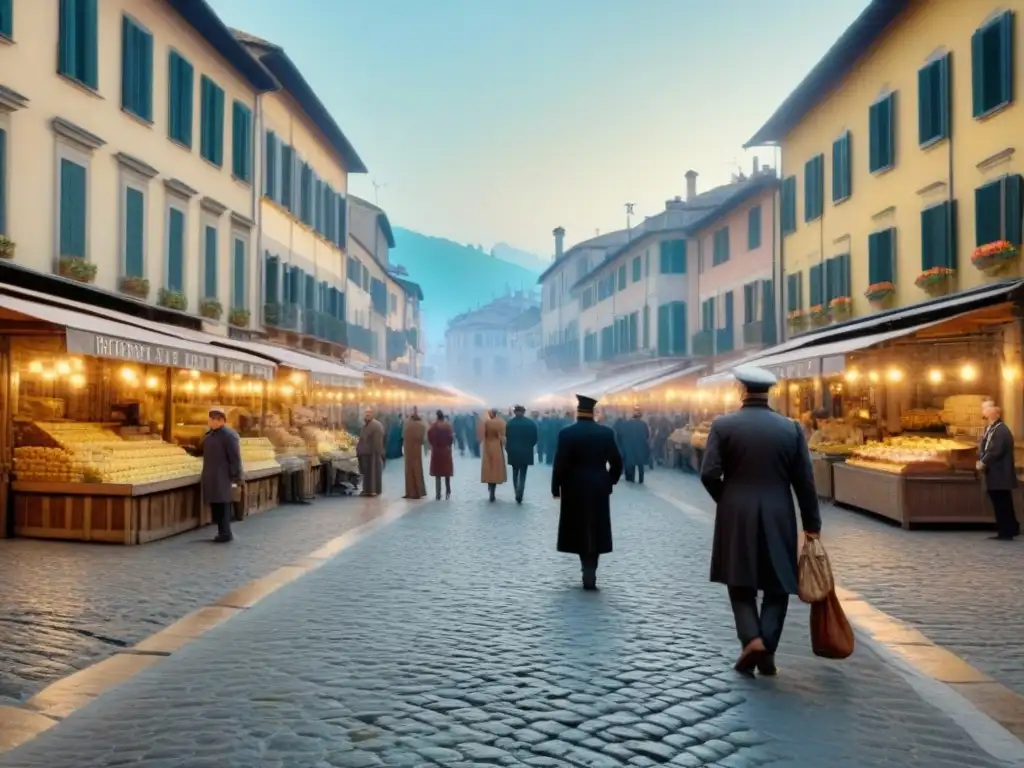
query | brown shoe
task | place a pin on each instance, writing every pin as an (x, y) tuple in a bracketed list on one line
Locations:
[(753, 653), (766, 666)]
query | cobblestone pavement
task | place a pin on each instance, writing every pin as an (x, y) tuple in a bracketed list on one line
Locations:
[(957, 587), (64, 605), (458, 636)]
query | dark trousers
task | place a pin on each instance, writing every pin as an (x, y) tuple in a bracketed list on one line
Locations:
[(589, 565), (1006, 518), (447, 486), (766, 624), (519, 480), (631, 473), (221, 513), (491, 488)]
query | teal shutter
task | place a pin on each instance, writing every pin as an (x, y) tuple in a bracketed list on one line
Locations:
[(73, 210), (310, 293), (7, 18), (66, 45), (664, 329), (272, 282), (938, 236), (646, 319), (175, 250), (816, 277), (88, 43), (881, 137), (241, 141), (988, 213), (1006, 58), (136, 69), (239, 300), (77, 44), (664, 257), (211, 143), (933, 106), (210, 262), (180, 96), (134, 235), (992, 65), (789, 205), (270, 171), (882, 256), (3, 182), (841, 175), (978, 107), (754, 228), (636, 269), (1013, 199)]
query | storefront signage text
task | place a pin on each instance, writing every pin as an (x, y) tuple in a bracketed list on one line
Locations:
[(803, 369), (99, 345), (250, 370)]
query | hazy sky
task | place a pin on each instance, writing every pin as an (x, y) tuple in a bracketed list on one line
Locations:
[(493, 121)]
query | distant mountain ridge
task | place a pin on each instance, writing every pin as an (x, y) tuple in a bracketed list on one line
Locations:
[(456, 277)]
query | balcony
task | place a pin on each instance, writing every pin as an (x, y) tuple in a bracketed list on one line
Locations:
[(283, 317), (726, 341), (362, 339), (564, 356), (753, 333), (703, 343)]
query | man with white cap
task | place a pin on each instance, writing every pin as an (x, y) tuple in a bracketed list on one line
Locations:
[(754, 462)]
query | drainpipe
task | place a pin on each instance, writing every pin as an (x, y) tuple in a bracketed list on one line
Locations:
[(259, 150), (778, 256)]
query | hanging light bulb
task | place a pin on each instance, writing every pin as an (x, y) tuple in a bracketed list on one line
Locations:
[(968, 372), (63, 368), (935, 376)]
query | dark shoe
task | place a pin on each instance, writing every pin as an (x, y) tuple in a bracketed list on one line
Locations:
[(439, 497), (447, 495), (766, 666), (752, 655), (221, 539)]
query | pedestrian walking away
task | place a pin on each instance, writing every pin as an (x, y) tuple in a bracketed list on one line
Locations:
[(996, 465), (635, 443), (521, 441), (753, 458), (587, 465), (535, 415), (491, 435), (221, 478), (414, 434), (441, 436), (370, 453)]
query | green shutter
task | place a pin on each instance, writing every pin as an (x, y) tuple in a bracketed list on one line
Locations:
[(66, 44), (841, 177), (789, 205), (881, 256), (754, 228), (241, 141), (664, 329), (992, 65), (77, 42), (88, 43), (7, 18), (239, 300), (1006, 57), (933, 101), (134, 233), (175, 250), (272, 278), (816, 277), (210, 262), (180, 97), (1013, 199), (3, 182), (73, 210), (938, 236), (211, 144), (646, 320), (988, 213), (136, 69)]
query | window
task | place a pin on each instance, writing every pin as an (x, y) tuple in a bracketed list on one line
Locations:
[(751, 302), (938, 236), (3, 182), (73, 209), (77, 46), (842, 183), (270, 183), (933, 101), (588, 297), (882, 134), (794, 292), (707, 314), (754, 228), (633, 341), (720, 253), (7, 18), (179, 99), (607, 342), (136, 69), (241, 142), (210, 262), (882, 257), (175, 250), (590, 347), (287, 198), (134, 233), (211, 139), (837, 277), (814, 188), (816, 277), (998, 211), (673, 257), (622, 277), (637, 269), (272, 278), (239, 296), (992, 65), (646, 327), (788, 205)]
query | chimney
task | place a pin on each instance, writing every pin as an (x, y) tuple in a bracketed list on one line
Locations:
[(691, 185), (559, 234), (757, 166)]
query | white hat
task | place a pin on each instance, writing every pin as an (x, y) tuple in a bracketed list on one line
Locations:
[(754, 378)]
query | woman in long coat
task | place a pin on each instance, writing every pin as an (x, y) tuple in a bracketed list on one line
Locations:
[(492, 461), (413, 434), (441, 436)]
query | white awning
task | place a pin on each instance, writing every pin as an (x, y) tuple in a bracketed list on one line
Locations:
[(634, 379), (624, 379), (322, 370), (667, 378)]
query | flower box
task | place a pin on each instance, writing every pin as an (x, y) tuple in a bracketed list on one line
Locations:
[(77, 268), (817, 314), (936, 280), (172, 299), (135, 286), (879, 292), (993, 257), (6, 247), (840, 306), (211, 308), (239, 317)]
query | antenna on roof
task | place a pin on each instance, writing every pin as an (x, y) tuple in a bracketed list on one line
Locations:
[(377, 187), (629, 215)]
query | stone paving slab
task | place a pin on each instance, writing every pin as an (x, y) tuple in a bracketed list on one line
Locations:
[(65, 606), (458, 636), (962, 590)]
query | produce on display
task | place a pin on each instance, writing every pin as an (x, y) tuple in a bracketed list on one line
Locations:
[(699, 438), (285, 443), (257, 454), (914, 454), (962, 415), (921, 420)]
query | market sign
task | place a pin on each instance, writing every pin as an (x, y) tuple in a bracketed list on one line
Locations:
[(243, 368), (100, 345)]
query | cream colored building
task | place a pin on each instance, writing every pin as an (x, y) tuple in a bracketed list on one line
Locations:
[(128, 150)]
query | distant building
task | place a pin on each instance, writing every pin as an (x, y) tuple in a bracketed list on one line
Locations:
[(493, 351)]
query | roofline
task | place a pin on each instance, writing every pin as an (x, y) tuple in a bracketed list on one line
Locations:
[(409, 286), (382, 218), (835, 65), (201, 17), (569, 252)]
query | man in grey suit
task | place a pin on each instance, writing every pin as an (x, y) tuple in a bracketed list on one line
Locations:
[(753, 458), (995, 462)]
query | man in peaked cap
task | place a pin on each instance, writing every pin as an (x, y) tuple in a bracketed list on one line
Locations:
[(587, 464), (753, 458), (520, 442)]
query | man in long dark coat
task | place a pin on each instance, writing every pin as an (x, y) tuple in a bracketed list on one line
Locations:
[(520, 442), (222, 470), (635, 443), (587, 465), (996, 464), (754, 457)]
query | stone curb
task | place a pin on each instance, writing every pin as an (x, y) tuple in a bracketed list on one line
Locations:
[(61, 698)]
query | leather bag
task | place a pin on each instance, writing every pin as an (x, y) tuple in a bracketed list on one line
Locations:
[(815, 572), (831, 634)]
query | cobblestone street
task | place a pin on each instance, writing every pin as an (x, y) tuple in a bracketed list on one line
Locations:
[(458, 636), (957, 587)]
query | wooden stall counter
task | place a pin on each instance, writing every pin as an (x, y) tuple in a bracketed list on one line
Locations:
[(261, 492), (822, 468), (106, 512)]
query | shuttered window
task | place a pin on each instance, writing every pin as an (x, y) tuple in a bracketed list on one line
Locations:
[(751, 296), (646, 331), (998, 211), (837, 277), (788, 222), (342, 221), (176, 250), (754, 228), (882, 256), (816, 278), (270, 172), (938, 236), (134, 232), (241, 142), (672, 255), (287, 198), (622, 277), (707, 314), (933, 85), (3, 182), (814, 188), (272, 278), (637, 269), (211, 139), (720, 247), (794, 292), (842, 180), (992, 65), (672, 338), (181, 80), (73, 209), (882, 135), (136, 69), (210, 262), (7, 18), (78, 42), (239, 296)]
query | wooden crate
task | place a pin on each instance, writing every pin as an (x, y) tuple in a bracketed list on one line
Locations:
[(261, 494)]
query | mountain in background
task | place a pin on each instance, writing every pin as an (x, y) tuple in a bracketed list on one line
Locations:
[(456, 277), (524, 259)]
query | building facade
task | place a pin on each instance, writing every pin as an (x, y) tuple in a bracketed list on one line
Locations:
[(900, 179), (128, 151)]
